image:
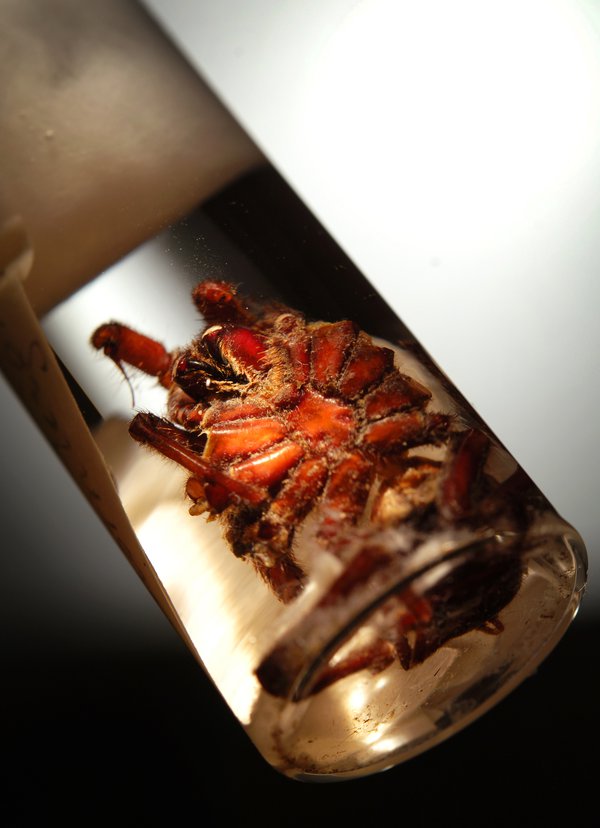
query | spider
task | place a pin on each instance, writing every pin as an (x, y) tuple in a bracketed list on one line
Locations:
[(277, 418)]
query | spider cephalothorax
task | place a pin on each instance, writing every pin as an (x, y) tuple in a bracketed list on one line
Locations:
[(276, 417)]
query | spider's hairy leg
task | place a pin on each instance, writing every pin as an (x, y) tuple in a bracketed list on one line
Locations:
[(471, 600), (281, 572), (279, 670), (345, 361), (286, 578), (234, 439), (274, 532), (219, 304), (288, 357), (266, 536), (375, 657), (345, 495), (417, 623), (467, 489), (291, 329), (267, 468), (463, 474), (399, 432), (330, 344), (123, 344), (180, 446), (234, 409), (396, 392), (366, 365), (485, 584)]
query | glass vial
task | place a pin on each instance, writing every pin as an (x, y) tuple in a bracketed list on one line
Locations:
[(357, 562)]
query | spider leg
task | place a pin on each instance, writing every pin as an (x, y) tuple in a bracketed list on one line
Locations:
[(267, 468), (219, 304), (394, 394), (240, 438), (416, 624), (463, 473), (398, 432), (185, 449), (122, 344), (366, 365), (380, 653), (409, 635), (267, 537), (212, 489), (375, 657), (471, 599), (281, 668), (274, 532), (226, 410), (330, 344), (345, 496), (243, 483), (292, 329), (345, 361), (264, 470), (416, 482), (285, 577), (482, 586), (282, 574), (288, 358)]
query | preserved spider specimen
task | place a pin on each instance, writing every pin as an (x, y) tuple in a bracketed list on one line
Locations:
[(276, 417)]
